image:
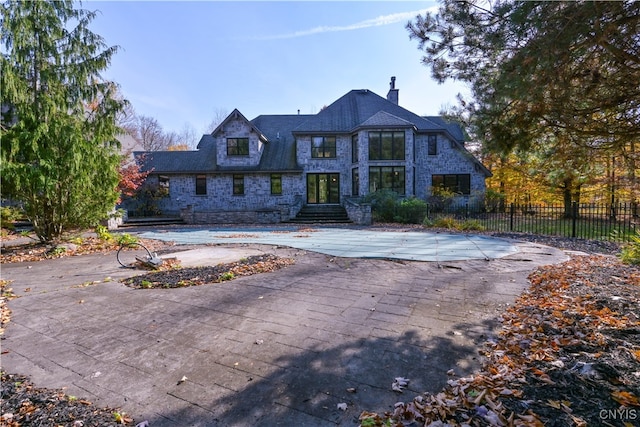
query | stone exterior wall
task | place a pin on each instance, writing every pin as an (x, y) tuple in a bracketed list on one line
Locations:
[(448, 160), (359, 213), (265, 216), (340, 164), (238, 128), (220, 199), (258, 205), (364, 163), (343, 163)]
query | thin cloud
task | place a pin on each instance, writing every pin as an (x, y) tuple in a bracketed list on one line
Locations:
[(368, 23)]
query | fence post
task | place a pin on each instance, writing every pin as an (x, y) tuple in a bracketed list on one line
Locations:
[(512, 212), (574, 218)]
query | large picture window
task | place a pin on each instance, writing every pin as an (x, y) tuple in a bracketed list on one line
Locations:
[(455, 183), (237, 146), (387, 177), (238, 185), (323, 147), (386, 145), (201, 185)]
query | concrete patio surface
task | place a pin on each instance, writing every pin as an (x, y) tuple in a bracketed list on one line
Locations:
[(280, 348)]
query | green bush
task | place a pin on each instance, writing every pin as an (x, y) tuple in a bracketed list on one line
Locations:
[(471, 225), (126, 239), (446, 222), (441, 199), (103, 233), (411, 211), (630, 253), (8, 215), (383, 204)]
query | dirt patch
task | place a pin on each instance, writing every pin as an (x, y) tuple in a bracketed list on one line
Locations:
[(183, 277), (36, 251), (24, 404)]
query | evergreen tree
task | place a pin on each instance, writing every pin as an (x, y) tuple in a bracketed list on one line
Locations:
[(59, 153), (567, 72)]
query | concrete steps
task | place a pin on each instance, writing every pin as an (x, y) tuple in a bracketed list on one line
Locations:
[(321, 214), (151, 222)]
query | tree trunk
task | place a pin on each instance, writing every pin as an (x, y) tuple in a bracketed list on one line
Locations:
[(566, 192)]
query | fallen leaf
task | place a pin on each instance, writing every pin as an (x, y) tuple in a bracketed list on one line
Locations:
[(399, 383), (625, 398)]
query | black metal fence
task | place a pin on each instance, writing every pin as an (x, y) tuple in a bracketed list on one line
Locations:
[(583, 221)]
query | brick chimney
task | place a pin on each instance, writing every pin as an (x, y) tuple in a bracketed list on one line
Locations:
[(392, 95)]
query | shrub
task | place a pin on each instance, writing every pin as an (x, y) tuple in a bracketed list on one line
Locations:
[(446, 222), (630, 253), (411, 211), (8, 215), (383, 204), (126, 239), (494, 200), (227, 276), (103, 233), (471, 225), (440, 199)]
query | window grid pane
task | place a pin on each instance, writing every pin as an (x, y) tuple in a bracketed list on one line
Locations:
[(387, 177), (276, 184), (237, 146), (386, 145), (238, 184), (432, 145), (201, 185), (354, 149), (323, 147), (455, 183)]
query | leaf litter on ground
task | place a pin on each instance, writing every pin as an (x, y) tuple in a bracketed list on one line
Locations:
[(568, 354)]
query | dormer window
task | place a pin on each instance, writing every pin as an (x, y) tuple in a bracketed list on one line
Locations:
[(237, 146)]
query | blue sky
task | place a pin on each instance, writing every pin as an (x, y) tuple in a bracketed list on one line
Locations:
[(182, 62)]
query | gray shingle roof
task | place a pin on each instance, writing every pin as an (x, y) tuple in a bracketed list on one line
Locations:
[(201, 161), (452, 127), (280, 152), (384, 119), (356, 107)]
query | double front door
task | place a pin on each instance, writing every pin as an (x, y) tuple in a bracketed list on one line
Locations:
[(323, 188)]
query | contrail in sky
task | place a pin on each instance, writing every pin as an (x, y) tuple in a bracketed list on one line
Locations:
[(375, 22)]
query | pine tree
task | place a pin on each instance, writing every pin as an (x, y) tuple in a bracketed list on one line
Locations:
[(59, 153), (567, 72)]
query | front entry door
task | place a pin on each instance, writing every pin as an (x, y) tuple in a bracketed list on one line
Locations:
[(323, 188)]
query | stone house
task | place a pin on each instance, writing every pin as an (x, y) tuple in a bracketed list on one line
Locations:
[(267, 169)]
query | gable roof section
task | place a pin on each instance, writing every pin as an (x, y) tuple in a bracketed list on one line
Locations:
[(353, 109), (235, 115), (384, 119)]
